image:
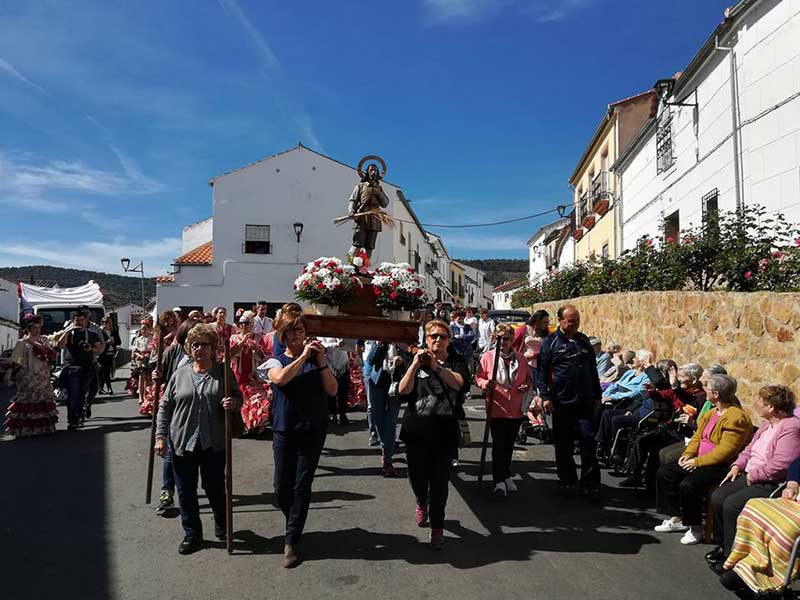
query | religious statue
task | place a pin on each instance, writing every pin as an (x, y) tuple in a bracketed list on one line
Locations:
[(366, 204)]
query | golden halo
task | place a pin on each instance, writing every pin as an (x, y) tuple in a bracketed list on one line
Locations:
[(371, 157)]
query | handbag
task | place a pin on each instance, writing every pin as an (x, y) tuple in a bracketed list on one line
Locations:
[(430, 402)]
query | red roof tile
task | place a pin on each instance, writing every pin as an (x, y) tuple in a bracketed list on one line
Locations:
[(165, 279), (201, 255)]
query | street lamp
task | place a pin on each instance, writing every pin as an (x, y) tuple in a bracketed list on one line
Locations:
[(126, 266), (298, 231)]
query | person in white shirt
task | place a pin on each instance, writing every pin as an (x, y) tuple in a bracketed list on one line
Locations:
[(471, 320), (336, 351), (262, 324), (485, 331)]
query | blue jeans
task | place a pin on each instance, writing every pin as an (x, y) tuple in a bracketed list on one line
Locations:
[(296, 455), (167, 471), (384, 417), (370, 423), (210, 464), (78, 381)]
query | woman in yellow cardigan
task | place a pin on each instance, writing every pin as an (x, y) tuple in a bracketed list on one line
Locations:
[(681, 486)]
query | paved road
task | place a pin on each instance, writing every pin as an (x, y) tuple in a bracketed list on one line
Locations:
[(73, 524)]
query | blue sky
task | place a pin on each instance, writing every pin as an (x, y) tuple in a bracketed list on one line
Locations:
[(115, 115)]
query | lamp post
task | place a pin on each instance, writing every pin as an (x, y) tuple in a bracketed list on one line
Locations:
[(126, 266), (298, 231)]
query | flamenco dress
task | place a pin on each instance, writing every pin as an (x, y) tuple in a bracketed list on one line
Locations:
[(33, 410), (257, 406)]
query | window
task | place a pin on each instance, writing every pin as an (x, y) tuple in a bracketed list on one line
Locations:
[(672, 227), (665, 157), (711, 208), (256, 239), (605, 250), (402, 235), (244, 306), (417, 260), (604, 160)]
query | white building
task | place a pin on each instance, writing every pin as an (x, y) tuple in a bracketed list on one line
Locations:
[(129, 317), (270, 218), (474, 280), (439, 268), (721, 142), (501, 295), (551, 247), (9, 315)]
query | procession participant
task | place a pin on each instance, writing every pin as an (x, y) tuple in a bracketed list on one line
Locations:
[(246, 355), (208, 318), (178, 312), (223, 330), (140, 356), (81, 346), (570, 389), (172, 358), (278, 347), (168, 326), (262, 324), (302, 382), (507, 389), (33, 409), (432, 386), (470, 319), (195, 315), (388, 366), (94, 380), (486, 327), (337, 354), (106, 358), (191, 417)]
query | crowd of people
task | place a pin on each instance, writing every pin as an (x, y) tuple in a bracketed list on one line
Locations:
[(678, 432)]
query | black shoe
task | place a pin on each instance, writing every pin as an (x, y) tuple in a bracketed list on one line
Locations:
[(72, 427), (730, 580), (629, 482), (716, 555), (220, 531), (88, 411), (343, 420), (190, 544)]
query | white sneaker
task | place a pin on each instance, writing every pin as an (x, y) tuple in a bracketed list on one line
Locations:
[(669, 526), (501, 490), (510, 485), (691, 537)]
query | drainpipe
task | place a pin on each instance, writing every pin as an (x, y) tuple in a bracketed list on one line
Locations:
[(618, 195), (734, 124)]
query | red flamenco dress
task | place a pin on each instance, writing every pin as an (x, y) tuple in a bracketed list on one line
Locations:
[(33, 410), (257, 406), (358, 393), (146, 407)]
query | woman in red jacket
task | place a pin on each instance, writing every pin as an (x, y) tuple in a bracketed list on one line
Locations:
[(506, 390)]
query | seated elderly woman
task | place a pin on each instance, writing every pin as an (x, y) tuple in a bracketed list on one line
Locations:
[(626, 396), (681, 486), (760, 468), (685, 395), (605, 360), (191, 418), (766, 532), (622, 362)]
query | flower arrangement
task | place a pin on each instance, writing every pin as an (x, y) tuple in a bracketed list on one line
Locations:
[(326, 281), (398, 287), (360, 260)]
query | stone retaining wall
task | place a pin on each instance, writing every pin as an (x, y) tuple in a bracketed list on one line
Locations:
[(755, 336)]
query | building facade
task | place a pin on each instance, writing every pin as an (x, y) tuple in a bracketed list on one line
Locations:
[(9, 315), (595, 188), (272, 217), (727, 130), (550, 248), (502, 294)]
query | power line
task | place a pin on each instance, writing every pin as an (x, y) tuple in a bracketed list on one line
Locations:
[(560, 209)]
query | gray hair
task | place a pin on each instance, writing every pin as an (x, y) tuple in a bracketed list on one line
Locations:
[(644, 355), (628, 356), (716, 369), (725, 386), (694, 370), (613, 347)]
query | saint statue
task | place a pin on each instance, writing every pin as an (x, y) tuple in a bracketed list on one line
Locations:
[(367, 196)]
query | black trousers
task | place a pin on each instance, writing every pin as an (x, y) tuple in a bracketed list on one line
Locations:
[(683, 493), (296, 457), (337, 405), (611, 421), (210, 464), (504, 434), (106, 366), (671, 453), (570, 421), (728, 501), (647, 447), (429, 475)]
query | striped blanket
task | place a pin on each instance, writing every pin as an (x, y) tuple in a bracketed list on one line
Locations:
[(765, 533)]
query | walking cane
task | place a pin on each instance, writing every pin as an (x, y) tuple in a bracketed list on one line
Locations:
[(228, 459), (488, 415), (156, 397)]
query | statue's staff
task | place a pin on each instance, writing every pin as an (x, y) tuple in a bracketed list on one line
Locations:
[(384, 217)]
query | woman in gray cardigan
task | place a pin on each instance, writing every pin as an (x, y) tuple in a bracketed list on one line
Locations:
[(191, 417)]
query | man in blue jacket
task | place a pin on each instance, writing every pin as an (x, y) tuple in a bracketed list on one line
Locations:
[(570, 389)]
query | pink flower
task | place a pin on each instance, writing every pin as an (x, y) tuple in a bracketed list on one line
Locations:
[(613, 273), (748, 275), (649, 242), (777, 254), (763, 264), (670, 240), (797, 243)]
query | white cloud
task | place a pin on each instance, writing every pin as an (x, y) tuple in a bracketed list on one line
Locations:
[(541, 11), (94, 255), (475, 243), (11, 70), (232, 8)]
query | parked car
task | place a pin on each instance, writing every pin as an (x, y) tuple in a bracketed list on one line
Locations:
[(515, 318)]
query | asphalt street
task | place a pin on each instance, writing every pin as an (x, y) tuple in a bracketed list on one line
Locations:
[(73, 524)]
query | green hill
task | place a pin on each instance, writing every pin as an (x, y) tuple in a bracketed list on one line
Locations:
[(117, 289), (499, 270)]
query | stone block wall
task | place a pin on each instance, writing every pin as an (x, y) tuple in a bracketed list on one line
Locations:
[(756, 336)]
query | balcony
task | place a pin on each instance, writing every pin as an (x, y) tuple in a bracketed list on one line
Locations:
[(601, 194)]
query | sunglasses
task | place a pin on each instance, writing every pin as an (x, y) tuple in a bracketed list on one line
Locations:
[(198, 345), (438, 336)]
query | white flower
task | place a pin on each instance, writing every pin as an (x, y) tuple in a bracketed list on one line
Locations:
[(358, 261)]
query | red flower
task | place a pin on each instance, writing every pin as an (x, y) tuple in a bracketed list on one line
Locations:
[(410, 270), (376, 290), (748, 275), (320, 286), (395, 284), (649, 242), (393, 295), (306, 283), (418, 292), (317, 263), (338, 270), (613, 273), (670, 240), (331, 264)]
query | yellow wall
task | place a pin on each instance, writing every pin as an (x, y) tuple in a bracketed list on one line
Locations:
[(604, 229), (457, 276)]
